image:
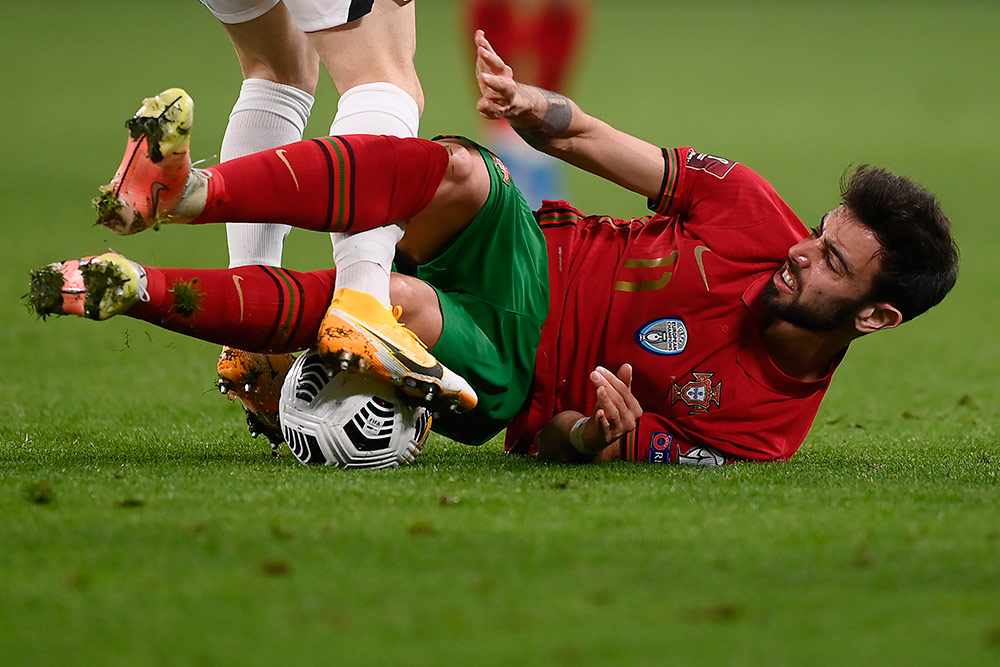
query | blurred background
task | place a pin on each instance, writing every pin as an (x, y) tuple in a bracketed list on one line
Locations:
[(798, 91)]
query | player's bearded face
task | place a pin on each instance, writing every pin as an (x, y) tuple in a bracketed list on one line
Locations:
[(826, 280), (809, 313)]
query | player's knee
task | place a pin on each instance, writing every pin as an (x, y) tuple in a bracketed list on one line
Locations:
[(460, 165), (466, 171), (466, 182)]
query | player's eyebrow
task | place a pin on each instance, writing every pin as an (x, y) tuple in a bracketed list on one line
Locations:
[(834, 249)]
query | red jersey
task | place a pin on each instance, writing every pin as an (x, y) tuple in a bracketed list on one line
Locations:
[(677, 295)]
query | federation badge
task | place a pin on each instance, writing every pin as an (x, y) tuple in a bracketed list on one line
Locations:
[(699, 394), (659, 447), (503, 169), (664, 336)]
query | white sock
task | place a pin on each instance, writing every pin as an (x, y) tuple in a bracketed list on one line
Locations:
[(266, 115), (364, 259)]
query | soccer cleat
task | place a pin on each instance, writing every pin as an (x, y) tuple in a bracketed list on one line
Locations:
[(358, 334), (96, 287), (150, 183), (255, 380)]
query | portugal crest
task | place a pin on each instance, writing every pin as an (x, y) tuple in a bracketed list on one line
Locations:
[(699, 394)]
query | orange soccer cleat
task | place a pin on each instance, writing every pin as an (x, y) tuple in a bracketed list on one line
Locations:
[(152, 181), (96, 287), (358, 334), (255, 380)]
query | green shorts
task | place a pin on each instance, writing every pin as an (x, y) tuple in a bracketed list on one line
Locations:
[(493, 286)]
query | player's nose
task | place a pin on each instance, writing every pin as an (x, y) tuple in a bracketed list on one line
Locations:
[(801, 254)]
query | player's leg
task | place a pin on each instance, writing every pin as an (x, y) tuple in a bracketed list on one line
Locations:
[(280, 72), (358, 182), (490, 298), (256, 308), (380, 94)]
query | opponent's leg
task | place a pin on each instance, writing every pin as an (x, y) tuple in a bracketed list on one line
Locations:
[(280, 73)]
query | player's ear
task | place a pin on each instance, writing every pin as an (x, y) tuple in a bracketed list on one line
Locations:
[(877, 316)]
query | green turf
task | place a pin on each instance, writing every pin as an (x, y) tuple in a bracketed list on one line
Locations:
[(139, 524)]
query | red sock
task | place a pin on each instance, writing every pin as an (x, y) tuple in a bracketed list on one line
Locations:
[(253, 308), (333, 184)]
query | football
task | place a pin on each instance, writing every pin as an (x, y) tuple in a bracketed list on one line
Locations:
[(348, 420)]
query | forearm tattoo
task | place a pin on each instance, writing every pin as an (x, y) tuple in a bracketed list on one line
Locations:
[(557, 119)]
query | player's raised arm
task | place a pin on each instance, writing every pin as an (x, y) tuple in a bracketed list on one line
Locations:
[(554, 124)]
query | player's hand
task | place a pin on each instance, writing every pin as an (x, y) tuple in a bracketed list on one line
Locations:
[(617, 411), (496, 81)]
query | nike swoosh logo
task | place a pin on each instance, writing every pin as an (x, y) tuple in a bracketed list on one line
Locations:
[(236, 281), (699, 250), (435, 371), (281, 156), (154, 191)]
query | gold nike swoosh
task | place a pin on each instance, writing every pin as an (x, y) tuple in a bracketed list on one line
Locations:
[(236, 281), (699, 250), (281, 156)]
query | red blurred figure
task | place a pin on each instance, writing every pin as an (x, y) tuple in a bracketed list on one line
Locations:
[(540, 39)]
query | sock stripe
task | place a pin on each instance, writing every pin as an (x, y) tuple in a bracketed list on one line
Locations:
[(278, 311), (291, 299), (350, 187), (340, 211), (296, 304), (329, 170)]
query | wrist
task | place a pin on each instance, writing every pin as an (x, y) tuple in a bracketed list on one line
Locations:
[(576, 435)]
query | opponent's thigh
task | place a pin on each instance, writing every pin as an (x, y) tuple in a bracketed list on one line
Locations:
[(378, 47)]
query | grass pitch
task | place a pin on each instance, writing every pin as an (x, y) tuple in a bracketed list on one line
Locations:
[(140, 525)]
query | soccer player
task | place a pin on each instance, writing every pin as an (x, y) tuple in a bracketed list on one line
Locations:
[(279, 44), (705, 333), (541, 40)]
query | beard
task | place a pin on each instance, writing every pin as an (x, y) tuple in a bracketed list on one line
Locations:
[(811, 317)]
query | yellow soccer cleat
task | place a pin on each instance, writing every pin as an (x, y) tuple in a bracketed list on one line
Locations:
[(255, 379), (358, 334), (96, 287), (150, 183)]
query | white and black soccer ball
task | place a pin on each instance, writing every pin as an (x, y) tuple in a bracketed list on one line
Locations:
[(348, 420)]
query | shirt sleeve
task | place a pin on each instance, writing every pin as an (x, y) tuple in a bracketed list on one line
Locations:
[(656, 440), (719, 196)]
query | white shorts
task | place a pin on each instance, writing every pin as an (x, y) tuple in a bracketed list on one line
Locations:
[(309, 15)]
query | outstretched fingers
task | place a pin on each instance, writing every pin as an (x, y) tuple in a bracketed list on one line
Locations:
[(495, 79)]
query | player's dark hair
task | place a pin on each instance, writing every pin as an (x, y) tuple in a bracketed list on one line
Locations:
[(919, 256)]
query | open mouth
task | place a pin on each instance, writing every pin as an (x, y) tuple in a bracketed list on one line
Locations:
[(784, 280)]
